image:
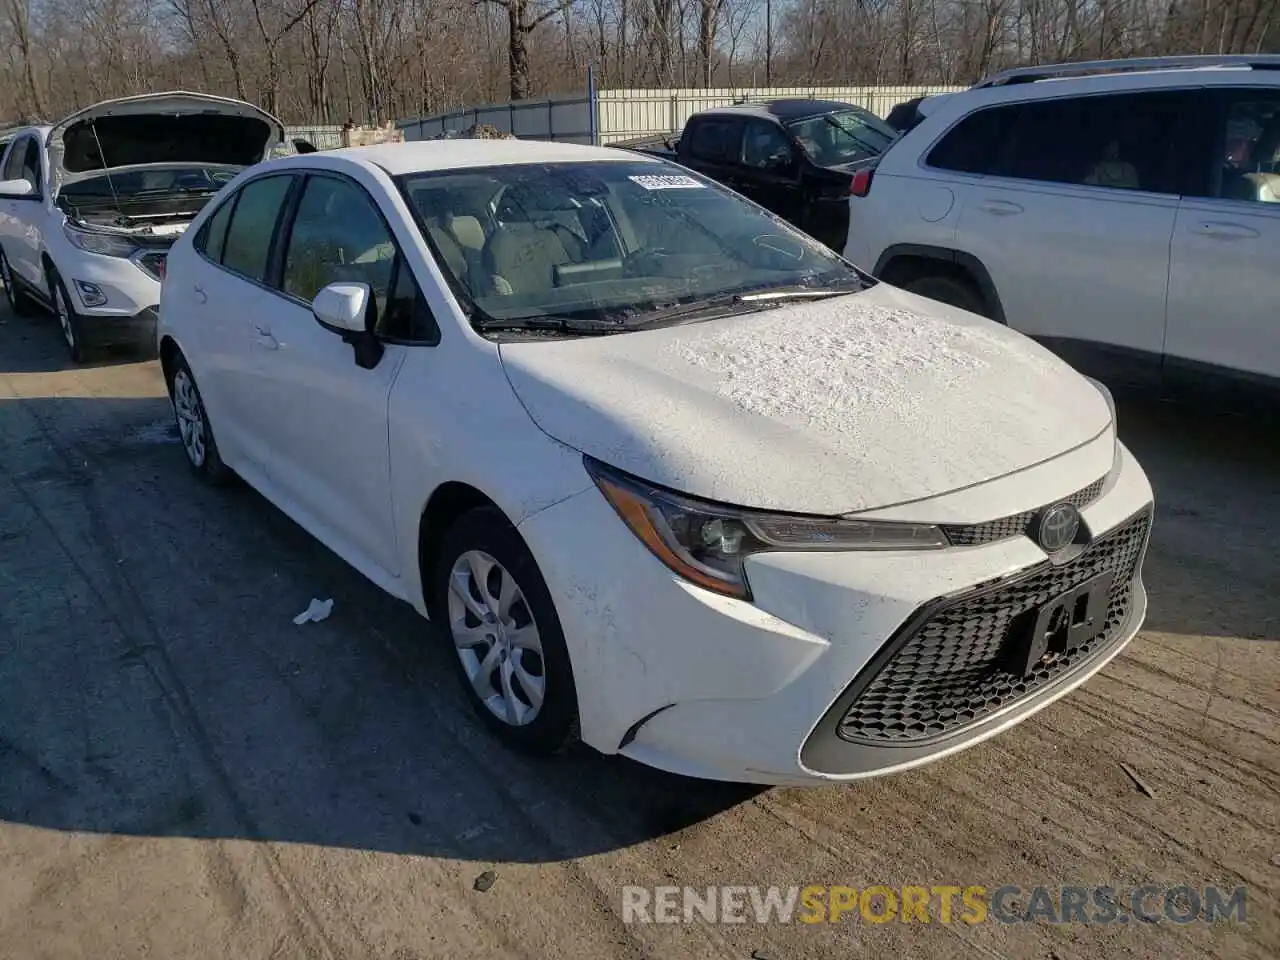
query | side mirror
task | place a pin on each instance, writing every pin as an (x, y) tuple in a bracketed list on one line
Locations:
[(346, 309), (342, 307), (16, 189)]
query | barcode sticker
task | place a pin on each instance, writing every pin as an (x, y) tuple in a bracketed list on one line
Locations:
[(655, 182)]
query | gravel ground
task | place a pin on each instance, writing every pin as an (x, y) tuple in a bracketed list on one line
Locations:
[(185, 773)]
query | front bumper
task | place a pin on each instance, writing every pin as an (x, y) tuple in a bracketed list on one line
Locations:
[(696, 683), (113, 330)]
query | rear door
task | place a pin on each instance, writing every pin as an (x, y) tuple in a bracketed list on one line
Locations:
[(713, 146), (224, 291), (1070, 204), (1224, 273)]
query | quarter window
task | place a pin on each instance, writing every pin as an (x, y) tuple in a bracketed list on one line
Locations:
[(253, 224), (214, 233)]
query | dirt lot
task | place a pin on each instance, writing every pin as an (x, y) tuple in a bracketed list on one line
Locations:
[(185, 773)]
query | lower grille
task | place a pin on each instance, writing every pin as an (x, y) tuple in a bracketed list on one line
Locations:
[(153, 264), (952, 668), (972, 534)]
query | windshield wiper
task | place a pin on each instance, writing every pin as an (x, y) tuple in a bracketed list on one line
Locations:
[(791, 295), (552, 324)]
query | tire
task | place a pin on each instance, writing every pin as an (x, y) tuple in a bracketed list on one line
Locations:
[(950, 290), (68, 319), (494, 641), (20, 302), (194, 427)]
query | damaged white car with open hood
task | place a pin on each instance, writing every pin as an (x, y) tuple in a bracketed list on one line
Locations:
[(669, 475), (90, 206)]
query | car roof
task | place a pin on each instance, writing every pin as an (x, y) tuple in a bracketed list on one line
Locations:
[(784, 110), (418, 156)]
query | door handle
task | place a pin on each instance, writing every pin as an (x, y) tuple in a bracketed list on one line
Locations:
[(1226, 231), (1000, 208), (264, 338), (201, 296)]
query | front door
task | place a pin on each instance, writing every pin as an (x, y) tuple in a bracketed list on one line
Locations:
[(1224, 272), (771, 170), (327, 419)]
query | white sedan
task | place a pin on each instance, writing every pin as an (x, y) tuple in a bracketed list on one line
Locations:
[(669, 475)]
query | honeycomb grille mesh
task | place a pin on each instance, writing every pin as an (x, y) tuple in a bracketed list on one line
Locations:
[(954, 669), (972, 534)]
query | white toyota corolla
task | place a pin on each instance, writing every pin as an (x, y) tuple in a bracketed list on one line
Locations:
[(669, 475)]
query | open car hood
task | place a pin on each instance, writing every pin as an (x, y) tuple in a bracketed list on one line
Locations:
[(160, 128)]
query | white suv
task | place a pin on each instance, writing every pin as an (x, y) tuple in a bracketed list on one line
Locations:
[(90, 206), (1126, 213)]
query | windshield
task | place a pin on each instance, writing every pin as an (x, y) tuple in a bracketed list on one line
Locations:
[(845, 137), (614, 241), (146, 184)]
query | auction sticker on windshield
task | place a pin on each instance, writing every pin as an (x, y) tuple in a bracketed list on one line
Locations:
[(667, 182)]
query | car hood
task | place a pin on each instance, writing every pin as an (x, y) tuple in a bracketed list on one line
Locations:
[(833, 407), (160, 128)]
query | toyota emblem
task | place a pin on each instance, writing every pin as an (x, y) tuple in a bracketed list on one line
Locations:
[(1058, 527)]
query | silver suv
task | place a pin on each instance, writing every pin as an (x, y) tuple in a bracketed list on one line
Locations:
[(1126, 213)]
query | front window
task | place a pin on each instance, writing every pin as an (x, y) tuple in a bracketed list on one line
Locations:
[(615, 244), (843, 137)]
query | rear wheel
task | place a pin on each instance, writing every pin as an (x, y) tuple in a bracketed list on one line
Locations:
[(193, 426), (490, 599), (950, 290), (20, 302)]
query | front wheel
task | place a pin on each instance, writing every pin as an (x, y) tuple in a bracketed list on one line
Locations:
[(69, 320), (497, 613)]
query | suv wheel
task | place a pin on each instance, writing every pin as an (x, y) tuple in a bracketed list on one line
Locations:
[(20, 301), (494, 607), (950, 290), (68, 319)]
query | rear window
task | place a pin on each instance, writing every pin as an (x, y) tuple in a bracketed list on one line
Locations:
[(253, 225), (1121, 141)]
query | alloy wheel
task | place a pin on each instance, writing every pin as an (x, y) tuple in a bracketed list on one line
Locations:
[(64, 316), (496, 638), (190, 414), (7, 280)]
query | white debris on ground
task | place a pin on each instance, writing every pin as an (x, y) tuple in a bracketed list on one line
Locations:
[(316, 611)]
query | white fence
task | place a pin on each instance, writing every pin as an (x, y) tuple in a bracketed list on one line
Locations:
[(606, 116)]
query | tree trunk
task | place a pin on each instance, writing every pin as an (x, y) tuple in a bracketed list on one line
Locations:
[(517, 48)]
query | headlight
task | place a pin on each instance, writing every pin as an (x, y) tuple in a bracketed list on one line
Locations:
[(1106, 395), (706, 543), (91, 241)]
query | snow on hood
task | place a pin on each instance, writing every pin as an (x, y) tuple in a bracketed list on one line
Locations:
[(160, 128), (831, 407)]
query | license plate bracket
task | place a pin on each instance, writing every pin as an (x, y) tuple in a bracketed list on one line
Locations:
[(1063, 623)]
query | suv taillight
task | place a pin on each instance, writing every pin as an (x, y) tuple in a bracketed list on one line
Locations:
[(861, 185)]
